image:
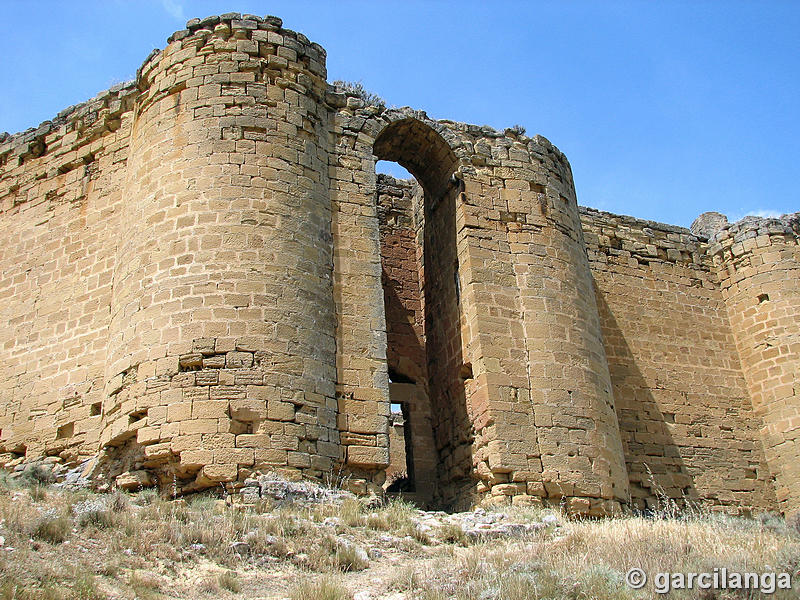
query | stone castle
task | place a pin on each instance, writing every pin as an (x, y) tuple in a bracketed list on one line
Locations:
[(202, 277)]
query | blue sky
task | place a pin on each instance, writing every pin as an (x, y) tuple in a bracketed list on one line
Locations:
[(664, 109)]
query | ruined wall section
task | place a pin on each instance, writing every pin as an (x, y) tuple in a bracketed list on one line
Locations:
[(362, 377), (432, 151), (60, 195), (401, 261), (459, 422), (221, 344), (401, 219), (757, 262), (522, 406), (684, 411)]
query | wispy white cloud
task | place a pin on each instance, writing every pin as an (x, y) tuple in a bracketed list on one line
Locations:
[(766, 213), (174, 8)]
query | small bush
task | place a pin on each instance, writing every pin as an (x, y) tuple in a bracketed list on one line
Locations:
[(229, 580), (146, 497), (357, 89), (37, 475), (350, 557), (773, 522), (453, 533), (517, 129), (321, 588), (120, 502), (51, 528), (38, 493), (7, 483), (93, 512)]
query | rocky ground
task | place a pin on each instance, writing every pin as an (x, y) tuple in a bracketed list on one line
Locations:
[(279, 539)]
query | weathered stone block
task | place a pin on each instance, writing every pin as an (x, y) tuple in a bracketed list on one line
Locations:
[(217, 472)]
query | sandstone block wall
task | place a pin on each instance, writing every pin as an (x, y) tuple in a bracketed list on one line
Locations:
[(60, 192), (203, 277), (685, 415), (398, 460), (411, 441)]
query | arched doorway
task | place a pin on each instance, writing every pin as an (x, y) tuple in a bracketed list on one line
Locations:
[(429, 427)]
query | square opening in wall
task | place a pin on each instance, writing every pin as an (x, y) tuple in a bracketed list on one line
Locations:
[(65, 431)]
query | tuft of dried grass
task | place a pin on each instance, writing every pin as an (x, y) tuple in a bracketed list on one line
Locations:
[(229, 580), (452, 533), (320, 588), (350, 557), (351, 512), (144, 585), (51, 527)]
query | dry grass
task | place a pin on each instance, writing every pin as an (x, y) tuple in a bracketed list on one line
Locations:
[(145, 586), (453, 534), (320, 588), (85, 546), (51, 527), (590, 560), (119, 540), (229, 580)]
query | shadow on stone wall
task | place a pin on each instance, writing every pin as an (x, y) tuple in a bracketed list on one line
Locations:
[(428, 157), (656, 469), (405, 355), (447, 371)]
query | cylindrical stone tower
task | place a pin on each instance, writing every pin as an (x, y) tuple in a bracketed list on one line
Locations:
[(758, 262), (221, 349), (574, 428)]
